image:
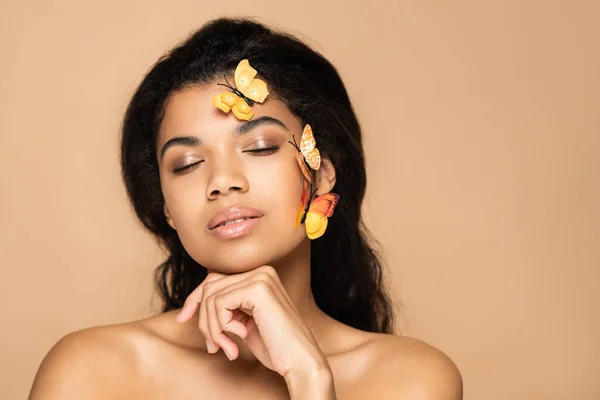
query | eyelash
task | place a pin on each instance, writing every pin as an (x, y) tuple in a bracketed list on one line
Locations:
[(269, 150), (185, 167)]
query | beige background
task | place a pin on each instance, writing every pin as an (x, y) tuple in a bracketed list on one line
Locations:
[(482, 132)]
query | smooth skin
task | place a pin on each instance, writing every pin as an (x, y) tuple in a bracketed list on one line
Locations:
[(256, 305)]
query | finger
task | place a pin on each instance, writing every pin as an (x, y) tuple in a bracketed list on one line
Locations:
[(236, 318), (237, 323), (210, 328), (242, 318), (268, 274), (195, 298), (214, 281), (261, 280), (245, 297), (204, 327), (208, 289), (216, 332), (278, 288)]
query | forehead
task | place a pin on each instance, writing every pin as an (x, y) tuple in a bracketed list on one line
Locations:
[(189, 111)]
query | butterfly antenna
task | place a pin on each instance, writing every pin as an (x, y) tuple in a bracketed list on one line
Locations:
[(225, 76), (222, 84), (294, 144), (313, 194)]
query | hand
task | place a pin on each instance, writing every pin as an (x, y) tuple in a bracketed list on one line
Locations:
[(255, 306)]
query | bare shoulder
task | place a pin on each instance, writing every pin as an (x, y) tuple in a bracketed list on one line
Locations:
[(405, 367), (97, 362), (120, 361)]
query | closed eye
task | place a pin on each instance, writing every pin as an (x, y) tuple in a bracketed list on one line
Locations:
[(186, 167), (264, 151)]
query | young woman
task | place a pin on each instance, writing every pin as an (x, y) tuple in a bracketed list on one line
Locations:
[(242, 154)]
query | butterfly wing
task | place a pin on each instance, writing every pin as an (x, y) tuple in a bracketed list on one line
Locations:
[(224, 101), (229, 101), (242, 110), (320, 209), (255, 89), (324, 204), (303, 201), (315, 225), (303, 168), (308, 148)]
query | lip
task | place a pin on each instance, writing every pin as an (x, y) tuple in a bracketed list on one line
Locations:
[(231, 214)]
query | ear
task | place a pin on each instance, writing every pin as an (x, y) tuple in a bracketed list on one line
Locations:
[(325, 180), (168, 216)]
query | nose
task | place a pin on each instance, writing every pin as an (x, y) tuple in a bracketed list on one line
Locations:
[(226, 176)]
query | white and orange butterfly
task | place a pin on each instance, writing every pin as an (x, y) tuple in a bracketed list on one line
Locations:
[(247, 90), (307, 151), (314, 213)]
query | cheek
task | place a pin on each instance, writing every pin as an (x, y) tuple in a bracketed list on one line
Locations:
[(179, 200), (280, 185)]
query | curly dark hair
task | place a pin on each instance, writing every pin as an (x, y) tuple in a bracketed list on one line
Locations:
[(346, 269)]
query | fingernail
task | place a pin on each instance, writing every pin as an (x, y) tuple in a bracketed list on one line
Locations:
[(227, 354), (178, 318), (209, 347)]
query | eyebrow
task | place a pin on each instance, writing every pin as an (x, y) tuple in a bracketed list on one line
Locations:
[(241, 129), (247, 126)]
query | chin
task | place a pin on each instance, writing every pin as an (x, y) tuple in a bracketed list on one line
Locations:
[(235, 258)]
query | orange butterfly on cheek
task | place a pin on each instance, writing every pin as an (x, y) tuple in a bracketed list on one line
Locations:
[(307, 151), (314, 213)]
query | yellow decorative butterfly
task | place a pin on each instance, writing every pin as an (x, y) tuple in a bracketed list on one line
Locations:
[(314, 213), (307, 151), (247, 90)]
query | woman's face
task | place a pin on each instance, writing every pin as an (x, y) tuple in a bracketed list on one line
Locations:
[(216, 168)]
